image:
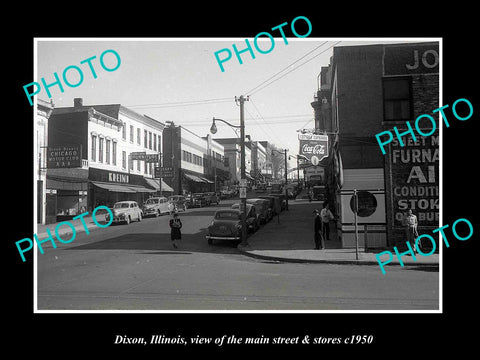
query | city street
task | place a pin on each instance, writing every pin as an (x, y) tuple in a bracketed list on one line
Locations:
[(134, 267)]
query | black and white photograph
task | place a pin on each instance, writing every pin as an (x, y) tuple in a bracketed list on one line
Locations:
[(227, 139), (231, 182)]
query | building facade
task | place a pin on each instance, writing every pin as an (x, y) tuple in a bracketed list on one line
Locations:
[(101, 154), (197, 162), (373, 88), (44, 110)]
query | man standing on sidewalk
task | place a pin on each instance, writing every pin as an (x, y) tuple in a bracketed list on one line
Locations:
[(411, 223), (318, 230), (326, 216)]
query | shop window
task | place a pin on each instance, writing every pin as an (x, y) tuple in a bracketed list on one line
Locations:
[(397, 99)]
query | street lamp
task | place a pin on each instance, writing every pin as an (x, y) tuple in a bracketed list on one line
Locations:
[(286, 168), (243, 200)]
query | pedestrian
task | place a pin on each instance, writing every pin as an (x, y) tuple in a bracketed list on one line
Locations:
[(317, 234), (411, 224), (175, 226), (326, 216)]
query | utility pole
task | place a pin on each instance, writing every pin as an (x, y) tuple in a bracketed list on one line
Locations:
[(243, 197)]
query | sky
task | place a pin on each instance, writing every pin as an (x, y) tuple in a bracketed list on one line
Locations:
[(180, 80)]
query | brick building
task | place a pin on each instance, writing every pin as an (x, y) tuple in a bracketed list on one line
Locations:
[(372, 89)]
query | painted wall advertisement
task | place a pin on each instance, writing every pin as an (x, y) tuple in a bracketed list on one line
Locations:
[(414, 179)]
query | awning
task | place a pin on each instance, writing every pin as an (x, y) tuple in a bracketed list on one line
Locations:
[(194, 178), (206, 180), (156, 185), (126, 188), (113, 187)]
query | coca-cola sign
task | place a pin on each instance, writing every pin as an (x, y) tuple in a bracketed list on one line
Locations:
[(314, 147)]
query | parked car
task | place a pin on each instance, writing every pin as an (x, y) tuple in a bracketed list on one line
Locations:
[(179, 202), (227, 225), (256, 223), (126, 212), (283, 202), (198, 200), (264, 212), (156, 206), (275, 203), (212, 197)]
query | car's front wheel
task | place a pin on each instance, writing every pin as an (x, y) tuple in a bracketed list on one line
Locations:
[(127, 220)]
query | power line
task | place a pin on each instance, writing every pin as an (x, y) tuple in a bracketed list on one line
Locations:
[(258, 88), (250, 92), (179, 103)]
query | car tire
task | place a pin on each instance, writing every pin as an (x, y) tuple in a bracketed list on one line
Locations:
[(139, 217), (127, 220), (184, 207), (210, 241)]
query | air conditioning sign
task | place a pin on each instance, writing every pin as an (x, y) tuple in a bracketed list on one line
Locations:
[(313, 147)]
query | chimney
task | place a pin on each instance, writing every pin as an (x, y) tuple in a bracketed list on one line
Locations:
[(77, 103)]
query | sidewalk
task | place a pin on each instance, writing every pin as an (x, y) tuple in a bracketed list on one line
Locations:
[(291, 240), (77, 224)]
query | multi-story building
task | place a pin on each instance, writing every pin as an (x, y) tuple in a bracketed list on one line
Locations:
[(44, 110), (374, 88), (232, 152), (101, 154), (197, 162)]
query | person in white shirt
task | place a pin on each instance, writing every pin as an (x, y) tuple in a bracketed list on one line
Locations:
[(326, 216)]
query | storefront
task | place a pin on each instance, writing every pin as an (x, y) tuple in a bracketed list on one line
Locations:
[(108, 187)]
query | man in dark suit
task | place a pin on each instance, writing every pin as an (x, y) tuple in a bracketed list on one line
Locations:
[(318, 230)]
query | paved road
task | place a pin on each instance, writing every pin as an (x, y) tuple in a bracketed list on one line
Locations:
[(134, 267)]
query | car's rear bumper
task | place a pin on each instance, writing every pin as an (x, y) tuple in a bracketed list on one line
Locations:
[(213, 237)]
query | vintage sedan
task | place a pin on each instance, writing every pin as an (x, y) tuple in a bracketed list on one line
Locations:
[(227, 225), (263, 209), (179, 202), (156, 206), (198, 200), (212, 197), (126, 212), (275, 203)]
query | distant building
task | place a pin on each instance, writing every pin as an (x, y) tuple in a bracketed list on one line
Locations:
[(198, 162)]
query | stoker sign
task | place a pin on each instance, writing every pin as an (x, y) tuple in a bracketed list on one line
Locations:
[(64, 156)]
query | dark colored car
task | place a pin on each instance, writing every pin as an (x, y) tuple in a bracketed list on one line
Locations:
[(227, 224), (283, 202), (198, 200), (212, 197), (264, 212), (275, 203), (179, 202)]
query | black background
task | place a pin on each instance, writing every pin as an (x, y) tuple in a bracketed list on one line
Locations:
[(64, 335)]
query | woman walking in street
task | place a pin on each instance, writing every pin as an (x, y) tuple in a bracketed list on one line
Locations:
[(175, 226)]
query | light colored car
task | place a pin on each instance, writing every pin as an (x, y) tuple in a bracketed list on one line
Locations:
[(156, 206), (179, 202), (126, 212)]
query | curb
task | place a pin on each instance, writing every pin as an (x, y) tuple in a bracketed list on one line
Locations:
[(328, 261)]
